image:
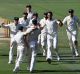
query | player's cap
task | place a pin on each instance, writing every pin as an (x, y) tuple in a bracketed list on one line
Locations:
[(35, 14), (28, 6), (16, 18), (20, 28), (25, 13), (71, 11), (34, 21)]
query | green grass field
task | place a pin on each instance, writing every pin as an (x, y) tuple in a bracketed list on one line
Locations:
[(11, 8)]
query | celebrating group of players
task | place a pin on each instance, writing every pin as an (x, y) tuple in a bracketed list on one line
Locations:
[(28, 32)]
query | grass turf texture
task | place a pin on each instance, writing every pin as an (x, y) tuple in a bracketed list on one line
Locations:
[(11, 8), (65, 66)]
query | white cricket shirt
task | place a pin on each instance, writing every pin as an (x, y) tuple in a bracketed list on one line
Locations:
[(71, 22)]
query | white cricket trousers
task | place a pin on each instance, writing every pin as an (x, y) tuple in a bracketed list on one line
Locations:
[(44, 43), (11, 50), (39, 39), (72, 37), (32, 55), (20, 54), (43, 39), (52, 42)]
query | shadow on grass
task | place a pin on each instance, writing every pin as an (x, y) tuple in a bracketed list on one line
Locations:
[(44, 71)]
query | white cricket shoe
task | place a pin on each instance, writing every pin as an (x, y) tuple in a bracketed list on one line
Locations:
[(44, 54), (31, 71), (10, 62), (58, 58), (16, 69), (76, 53)]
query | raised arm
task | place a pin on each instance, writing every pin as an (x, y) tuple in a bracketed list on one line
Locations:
[(5, 25), (28, 30)]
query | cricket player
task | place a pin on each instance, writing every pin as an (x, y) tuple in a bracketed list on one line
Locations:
[(43, 34), (23, 20), (52, 36), (33, 44), (13, 27), (19, 40), (34, 16), (71, 21), (29, 11)]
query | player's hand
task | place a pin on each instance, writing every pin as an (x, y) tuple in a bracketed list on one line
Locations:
[(60, 23), (1, 24)]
